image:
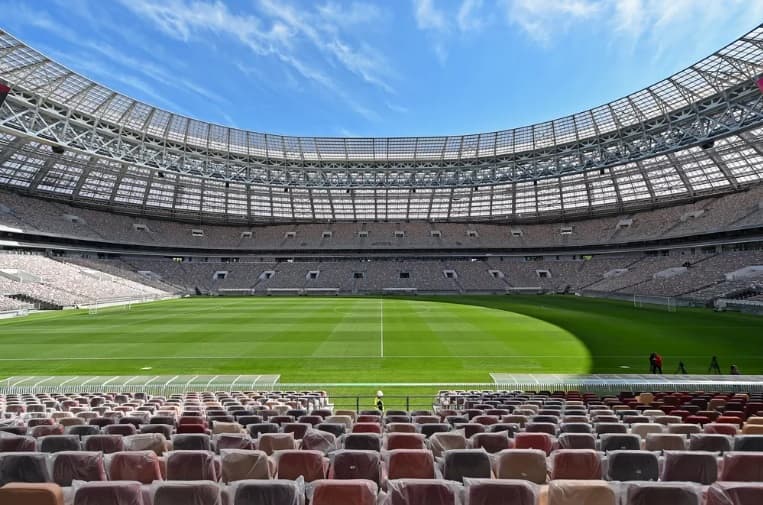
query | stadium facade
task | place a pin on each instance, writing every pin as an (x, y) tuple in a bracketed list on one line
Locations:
[(671, 171)]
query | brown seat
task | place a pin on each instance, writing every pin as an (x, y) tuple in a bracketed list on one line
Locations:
[(19, 493), (344, 492), (500, 492), (663, 493), (141, 466), (107, 444), (242, 464), (177, 493), (115, 492), (524, 464), (735, 493), (742, 467), (579, 464), (491, 442), (78, 465), (690, 466)]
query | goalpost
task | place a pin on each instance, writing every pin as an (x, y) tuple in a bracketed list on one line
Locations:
[(94, 308), (666, 302)]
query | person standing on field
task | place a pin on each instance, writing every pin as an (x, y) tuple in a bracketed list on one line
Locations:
[(714, 366), (658, 363), (652, 363), (379, 401)]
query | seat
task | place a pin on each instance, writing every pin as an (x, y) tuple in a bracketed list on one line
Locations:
[(710, 442), (684, 429), (177, 493), (106, 444), (735, 493), (316, 440), (164, 429), (20, 493), (111, 493), (299, 429), (542, 441), (191, 465), (367, 428), (45, 430), (748, 443), (242, 464), (271, 442), (123, 430), (466, 463), (405, 428), (619, 442), (256, 429), (665, 442), (429, 429), (356, 464), (344, 492), (441, 442), (578, 464), (410, 464), (423, 492), (141, 466), (576, 441), (232, 441), (742, 467), (632, 465), (362, 441), (225, 427), (605, 428), (292, 464), (576, 428), (267, 492), (500, 492), (580, 492), (83, 430), (721, 429), (78, 465), (191, 442), (395, 441), (337, 429), (690, 466), (17, 443), (23, 467), (340, 419), (58, 443), (146, 442), (491, 442), (524, 464), (663, 493)]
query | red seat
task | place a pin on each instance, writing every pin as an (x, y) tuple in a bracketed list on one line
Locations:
[(395, 441), (100, 493), (80, 465), (192, 465), (410, 464), (690, 466), (735, 493), (721, 429), (310, 465), (344, 492), (196, 493), (367, 428), (141, 466), (578, 464), (742, 467), (542, 441)]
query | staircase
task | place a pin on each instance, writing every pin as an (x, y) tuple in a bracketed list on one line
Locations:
[(37, 302)]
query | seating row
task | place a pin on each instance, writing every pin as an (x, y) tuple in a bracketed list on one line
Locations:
[(400, 492)]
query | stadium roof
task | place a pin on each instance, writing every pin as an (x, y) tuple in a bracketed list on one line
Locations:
[(683, 136)]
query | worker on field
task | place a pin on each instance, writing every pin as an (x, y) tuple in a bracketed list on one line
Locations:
[(714, 366), (658, 363), (735, 370), (379, 401), (652, 363), (682, 368)]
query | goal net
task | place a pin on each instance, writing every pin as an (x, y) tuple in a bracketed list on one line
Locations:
[(97, 307), (665, 302)]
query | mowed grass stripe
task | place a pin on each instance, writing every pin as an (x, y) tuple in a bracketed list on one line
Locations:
[(313, 340)]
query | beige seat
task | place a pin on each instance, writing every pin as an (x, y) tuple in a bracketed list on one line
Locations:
[(665, 442), (446, 441), (240, 464), (524, 464), (581, 492), (644, 429)]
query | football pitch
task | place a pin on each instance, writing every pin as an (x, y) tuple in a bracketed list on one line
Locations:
[(376, 340)]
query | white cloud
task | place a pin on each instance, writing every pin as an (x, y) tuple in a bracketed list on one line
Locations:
[(429, 17), (282, 32), (542, 19), (468, 17)]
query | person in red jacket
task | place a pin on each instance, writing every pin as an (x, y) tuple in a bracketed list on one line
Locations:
[(658, 363)]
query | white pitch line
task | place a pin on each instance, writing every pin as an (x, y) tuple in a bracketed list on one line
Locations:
[(292, 356), (381, 327)]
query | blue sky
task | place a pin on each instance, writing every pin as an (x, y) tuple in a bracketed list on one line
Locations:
[(387, 68)]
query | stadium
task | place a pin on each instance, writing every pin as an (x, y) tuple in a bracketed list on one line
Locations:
[(195, 313)]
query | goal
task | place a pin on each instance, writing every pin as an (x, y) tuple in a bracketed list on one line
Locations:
[(96, 307), (665, 302)]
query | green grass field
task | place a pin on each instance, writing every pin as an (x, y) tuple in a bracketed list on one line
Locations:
[(351, 340)]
